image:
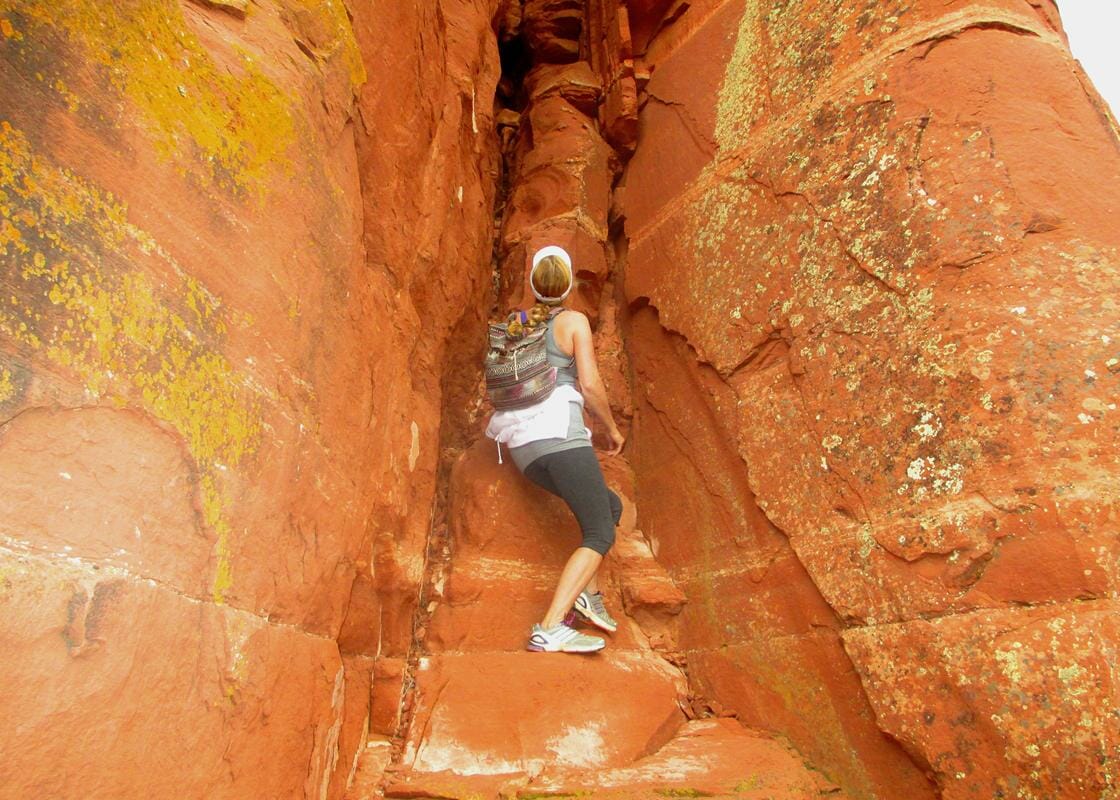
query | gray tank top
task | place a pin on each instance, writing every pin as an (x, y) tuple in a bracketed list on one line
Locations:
[(578, 435)]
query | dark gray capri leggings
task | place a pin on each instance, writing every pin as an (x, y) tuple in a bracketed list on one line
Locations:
[(574, 476)]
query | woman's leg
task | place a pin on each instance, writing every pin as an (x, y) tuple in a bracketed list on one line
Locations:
[(616, 515), (581, 567), (575, 476)]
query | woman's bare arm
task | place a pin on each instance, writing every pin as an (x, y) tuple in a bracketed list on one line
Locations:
[(591, 384)]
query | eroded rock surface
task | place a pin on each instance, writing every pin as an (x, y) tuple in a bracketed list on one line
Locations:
[(852, 267), (885, 265), (223, 362)]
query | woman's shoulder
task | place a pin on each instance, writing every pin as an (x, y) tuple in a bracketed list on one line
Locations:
[(570, 318)]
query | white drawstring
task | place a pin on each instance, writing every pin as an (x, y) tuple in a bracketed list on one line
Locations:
[(499, 450)]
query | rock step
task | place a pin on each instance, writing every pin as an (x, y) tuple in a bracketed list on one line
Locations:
[(505, 713), (705, 758), (369, 770)]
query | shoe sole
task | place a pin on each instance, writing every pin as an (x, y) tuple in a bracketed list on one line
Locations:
[(536, 648), (594, 619)]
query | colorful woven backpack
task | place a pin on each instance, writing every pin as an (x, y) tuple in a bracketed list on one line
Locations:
[(517, 370)]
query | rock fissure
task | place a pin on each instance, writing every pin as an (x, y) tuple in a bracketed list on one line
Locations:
[(850, 268)]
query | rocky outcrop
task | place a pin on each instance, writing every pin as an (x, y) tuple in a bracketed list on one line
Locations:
[(868, 257), (851, 268), (234, 240)]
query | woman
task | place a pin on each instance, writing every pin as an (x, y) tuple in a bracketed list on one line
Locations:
[(551, 446)]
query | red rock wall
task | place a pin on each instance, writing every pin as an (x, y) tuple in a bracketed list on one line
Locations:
[(870, 260), (872, 265), (236, 239)]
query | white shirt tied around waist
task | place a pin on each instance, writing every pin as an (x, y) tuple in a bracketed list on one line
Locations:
[(547, 419)]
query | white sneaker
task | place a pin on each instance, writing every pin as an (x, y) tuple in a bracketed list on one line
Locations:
[(562, 639), (591, 608)]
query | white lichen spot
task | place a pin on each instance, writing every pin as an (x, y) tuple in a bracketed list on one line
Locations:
[(1032, 750), (737, 313), (1086, 419), (949, 480), (1067, 675), (986, 401), (831, 442), (64, 475), (917, 469), (1020, 310), (928, 426), (984, 356), (866, 542), (1009, 665)]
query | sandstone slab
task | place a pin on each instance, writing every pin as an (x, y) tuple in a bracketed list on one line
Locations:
[(137, 673), (1009, 702), (529, 713)]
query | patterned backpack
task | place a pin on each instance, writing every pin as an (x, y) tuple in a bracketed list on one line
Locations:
[(517, 370)]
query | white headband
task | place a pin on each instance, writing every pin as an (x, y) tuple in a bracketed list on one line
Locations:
[(545, 252)]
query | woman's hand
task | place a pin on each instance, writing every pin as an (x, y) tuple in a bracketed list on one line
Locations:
[(617, 440)]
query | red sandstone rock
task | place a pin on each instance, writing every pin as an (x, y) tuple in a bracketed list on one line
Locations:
[(114, 672), (494, 713), (871, 266), (613, 57), (385, 695), (553, 28), (856, 225), (1001, 702), (576, 83), (706, 758), (213, 385)]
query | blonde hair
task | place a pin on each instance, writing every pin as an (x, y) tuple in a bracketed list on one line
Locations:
[(552, 278)]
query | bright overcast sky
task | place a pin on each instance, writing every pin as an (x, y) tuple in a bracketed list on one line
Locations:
[(1094, 30)]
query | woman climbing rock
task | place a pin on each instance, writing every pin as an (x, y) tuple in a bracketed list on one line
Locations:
[(550, 444)]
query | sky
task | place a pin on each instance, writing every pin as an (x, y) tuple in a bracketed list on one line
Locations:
[(1093, 27)]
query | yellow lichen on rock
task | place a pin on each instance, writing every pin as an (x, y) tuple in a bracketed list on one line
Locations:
[(129, 336), (338, 20), (7, 388), (239, 125)]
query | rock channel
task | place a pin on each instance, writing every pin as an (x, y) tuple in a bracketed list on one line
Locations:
[(853, 272)]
